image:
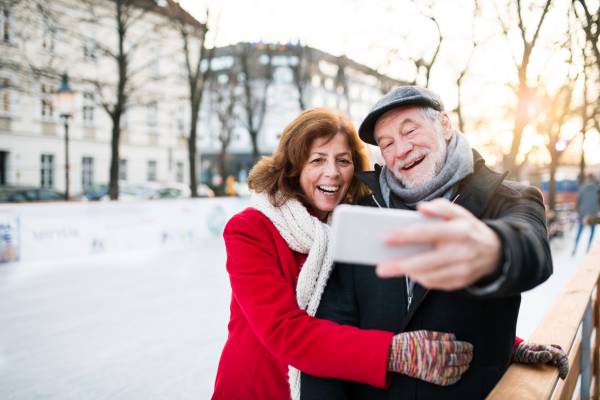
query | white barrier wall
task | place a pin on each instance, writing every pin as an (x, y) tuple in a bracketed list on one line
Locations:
[(57, 231)]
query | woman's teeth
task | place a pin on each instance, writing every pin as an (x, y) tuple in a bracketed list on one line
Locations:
[(328, 189)]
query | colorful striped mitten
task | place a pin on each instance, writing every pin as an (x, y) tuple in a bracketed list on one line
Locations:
[(434, 357), (533, 353)]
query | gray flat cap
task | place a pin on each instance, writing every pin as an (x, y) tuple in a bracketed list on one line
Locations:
[(400, 96)]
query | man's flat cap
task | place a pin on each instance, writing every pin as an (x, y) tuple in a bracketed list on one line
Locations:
[(398, 97)]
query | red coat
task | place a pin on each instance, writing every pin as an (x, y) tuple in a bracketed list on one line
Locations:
[(267, 330)]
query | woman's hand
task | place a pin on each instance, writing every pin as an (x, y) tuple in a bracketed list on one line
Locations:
[(434, 357), (533, 353)]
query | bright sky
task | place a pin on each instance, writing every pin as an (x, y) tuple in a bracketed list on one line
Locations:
[(366, 31)]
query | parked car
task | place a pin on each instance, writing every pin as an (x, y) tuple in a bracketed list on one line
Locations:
[(20, 194), (93, 193), (145, 191)]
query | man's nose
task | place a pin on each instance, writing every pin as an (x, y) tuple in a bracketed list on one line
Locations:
[(403, 147)]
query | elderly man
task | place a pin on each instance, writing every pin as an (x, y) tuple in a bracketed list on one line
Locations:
[(490, 245)]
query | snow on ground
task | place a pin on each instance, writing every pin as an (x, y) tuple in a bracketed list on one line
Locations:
[(143, 326)]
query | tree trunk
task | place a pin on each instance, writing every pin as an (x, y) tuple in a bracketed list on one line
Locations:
[(552, 183), (113, 190), (192, 150), (581, 176), (223, 164), (254, 139), (122, 63)]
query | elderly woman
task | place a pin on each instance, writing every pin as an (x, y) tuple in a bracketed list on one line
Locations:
[(279, 260)]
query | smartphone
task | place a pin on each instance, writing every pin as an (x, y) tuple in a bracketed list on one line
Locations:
[(359, 233)]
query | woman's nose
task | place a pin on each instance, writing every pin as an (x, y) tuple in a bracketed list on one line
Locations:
[(331, 169)]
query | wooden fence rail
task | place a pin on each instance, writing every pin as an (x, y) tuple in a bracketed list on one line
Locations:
[(573, 322)]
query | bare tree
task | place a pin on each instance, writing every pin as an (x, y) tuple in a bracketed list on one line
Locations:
[(224, 98), (422, 64), (29, 64), (558, 109), (523, 91), (341, 83), (591, 25), (256, 75), (131, 29), (197, 63), (301, 71), (590, 112)]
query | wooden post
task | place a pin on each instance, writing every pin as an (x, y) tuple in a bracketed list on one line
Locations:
[(596, 354)]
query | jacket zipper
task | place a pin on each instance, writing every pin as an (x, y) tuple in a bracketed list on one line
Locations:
[(409, 282)]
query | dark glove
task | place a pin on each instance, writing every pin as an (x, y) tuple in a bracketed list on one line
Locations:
[(433, 357), (533, 353)]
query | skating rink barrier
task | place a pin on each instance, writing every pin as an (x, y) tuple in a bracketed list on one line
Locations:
[(573, 322), (59, 231)]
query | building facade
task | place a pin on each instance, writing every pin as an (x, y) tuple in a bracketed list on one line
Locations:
[(42, 40)]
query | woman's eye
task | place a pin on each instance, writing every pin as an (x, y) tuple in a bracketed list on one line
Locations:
[(316, 161), (345, 161)]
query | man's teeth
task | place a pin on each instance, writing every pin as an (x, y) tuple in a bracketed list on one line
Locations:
[(412, 164), (329, 189)]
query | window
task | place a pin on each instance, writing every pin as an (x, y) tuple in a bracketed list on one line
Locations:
[(47, 109), (88, 108), (6, 24), (155, 63), (48, 36), (179, 171), (87, 172), (180, 120), (152, 113), (4, 95), (47, 170), (123, 169), (283, 75), (151, 175)]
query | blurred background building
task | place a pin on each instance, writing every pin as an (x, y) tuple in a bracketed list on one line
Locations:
[(252, 90)]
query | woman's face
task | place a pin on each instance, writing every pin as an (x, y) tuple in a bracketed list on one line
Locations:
[(326, 175)]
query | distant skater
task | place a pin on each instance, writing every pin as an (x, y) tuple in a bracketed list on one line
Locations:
[(588, 205)]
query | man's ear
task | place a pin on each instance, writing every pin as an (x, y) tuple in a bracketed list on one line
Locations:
[(446, 125)]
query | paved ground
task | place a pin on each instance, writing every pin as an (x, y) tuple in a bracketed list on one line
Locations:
[(144, 326)]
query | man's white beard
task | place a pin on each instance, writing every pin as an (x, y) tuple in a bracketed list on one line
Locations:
[(418, 181)]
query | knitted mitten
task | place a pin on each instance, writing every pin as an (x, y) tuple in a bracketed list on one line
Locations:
[(533, 353), (434, 357)]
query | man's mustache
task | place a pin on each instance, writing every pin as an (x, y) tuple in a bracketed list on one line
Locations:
[(410, 158)]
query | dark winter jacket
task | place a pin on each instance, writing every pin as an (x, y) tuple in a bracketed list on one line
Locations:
[(356, 296)]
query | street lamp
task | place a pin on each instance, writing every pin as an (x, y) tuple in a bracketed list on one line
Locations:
[(63, 98)]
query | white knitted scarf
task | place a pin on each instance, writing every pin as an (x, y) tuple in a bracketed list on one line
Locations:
[(307, 235)]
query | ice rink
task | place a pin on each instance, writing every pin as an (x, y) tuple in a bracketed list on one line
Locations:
[(146, 325)]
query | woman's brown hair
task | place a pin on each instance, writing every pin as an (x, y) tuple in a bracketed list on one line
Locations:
[(279, 175)]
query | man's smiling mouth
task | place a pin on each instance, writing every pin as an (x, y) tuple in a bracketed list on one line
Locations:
[(413, 164)]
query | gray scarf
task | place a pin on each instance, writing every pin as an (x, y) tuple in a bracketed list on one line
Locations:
[(458, 164)]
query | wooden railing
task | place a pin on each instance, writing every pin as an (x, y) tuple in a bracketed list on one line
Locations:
[(572, 322)]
